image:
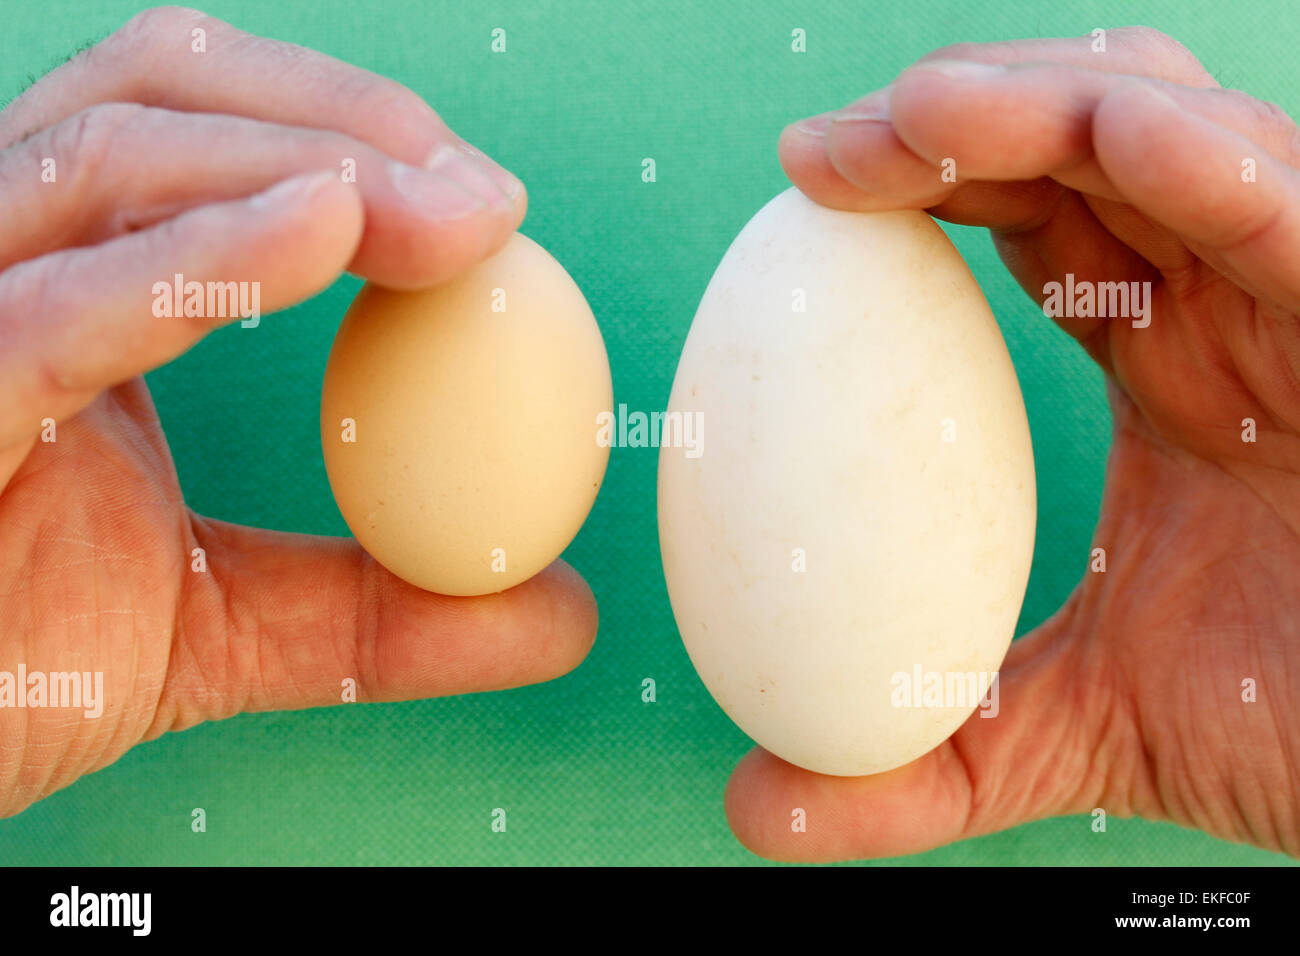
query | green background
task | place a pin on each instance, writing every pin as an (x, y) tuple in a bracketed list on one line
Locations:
[(587, 772)]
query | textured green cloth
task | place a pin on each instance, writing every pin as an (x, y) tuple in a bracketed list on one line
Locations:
[(587, 772)]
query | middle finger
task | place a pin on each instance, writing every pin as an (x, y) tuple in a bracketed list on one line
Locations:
[(122, 167)]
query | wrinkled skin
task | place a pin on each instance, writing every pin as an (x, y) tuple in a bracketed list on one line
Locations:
[(1119, 166), (231, 169), (1128, 699)]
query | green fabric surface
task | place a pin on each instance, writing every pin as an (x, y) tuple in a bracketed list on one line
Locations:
[(587, 772)]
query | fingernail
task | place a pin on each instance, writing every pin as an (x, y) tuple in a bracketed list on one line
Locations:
[(434, 193), (874, 107), (292, 191), (813, 125), (961, 69), (465, 163)]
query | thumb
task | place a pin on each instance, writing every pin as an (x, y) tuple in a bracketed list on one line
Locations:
[(1055, 747)]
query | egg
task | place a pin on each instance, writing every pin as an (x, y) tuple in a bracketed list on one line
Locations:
[(459, 423), (847, 550)]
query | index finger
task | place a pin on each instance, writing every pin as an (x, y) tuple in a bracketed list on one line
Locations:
[(881, 171), (182, 59)]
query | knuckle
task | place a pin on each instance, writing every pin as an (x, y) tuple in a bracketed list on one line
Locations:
[(401, 117), (95, 151), (1273, 116), (1162, 48), (976, 52), (33, 288), (86, 138), (147, 26), (397, 103), (162, 241), (133, 43), (1278, 129), (358, 646), (29, 288), (1144, 37)]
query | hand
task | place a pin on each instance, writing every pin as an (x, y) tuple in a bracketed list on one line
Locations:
[(1125, 165), (219, 165)]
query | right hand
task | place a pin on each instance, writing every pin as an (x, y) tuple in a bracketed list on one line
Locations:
[(1123, 166)]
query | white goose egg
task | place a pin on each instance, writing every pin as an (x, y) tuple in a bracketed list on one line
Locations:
[(847, 548)]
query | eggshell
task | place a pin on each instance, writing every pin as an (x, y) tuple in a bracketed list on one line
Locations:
[(474, 408), (863, 503)]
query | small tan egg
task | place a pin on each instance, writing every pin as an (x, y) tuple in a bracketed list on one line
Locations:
[(459, 423)]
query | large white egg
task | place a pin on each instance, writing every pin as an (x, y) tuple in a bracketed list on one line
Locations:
[(857, 510)]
